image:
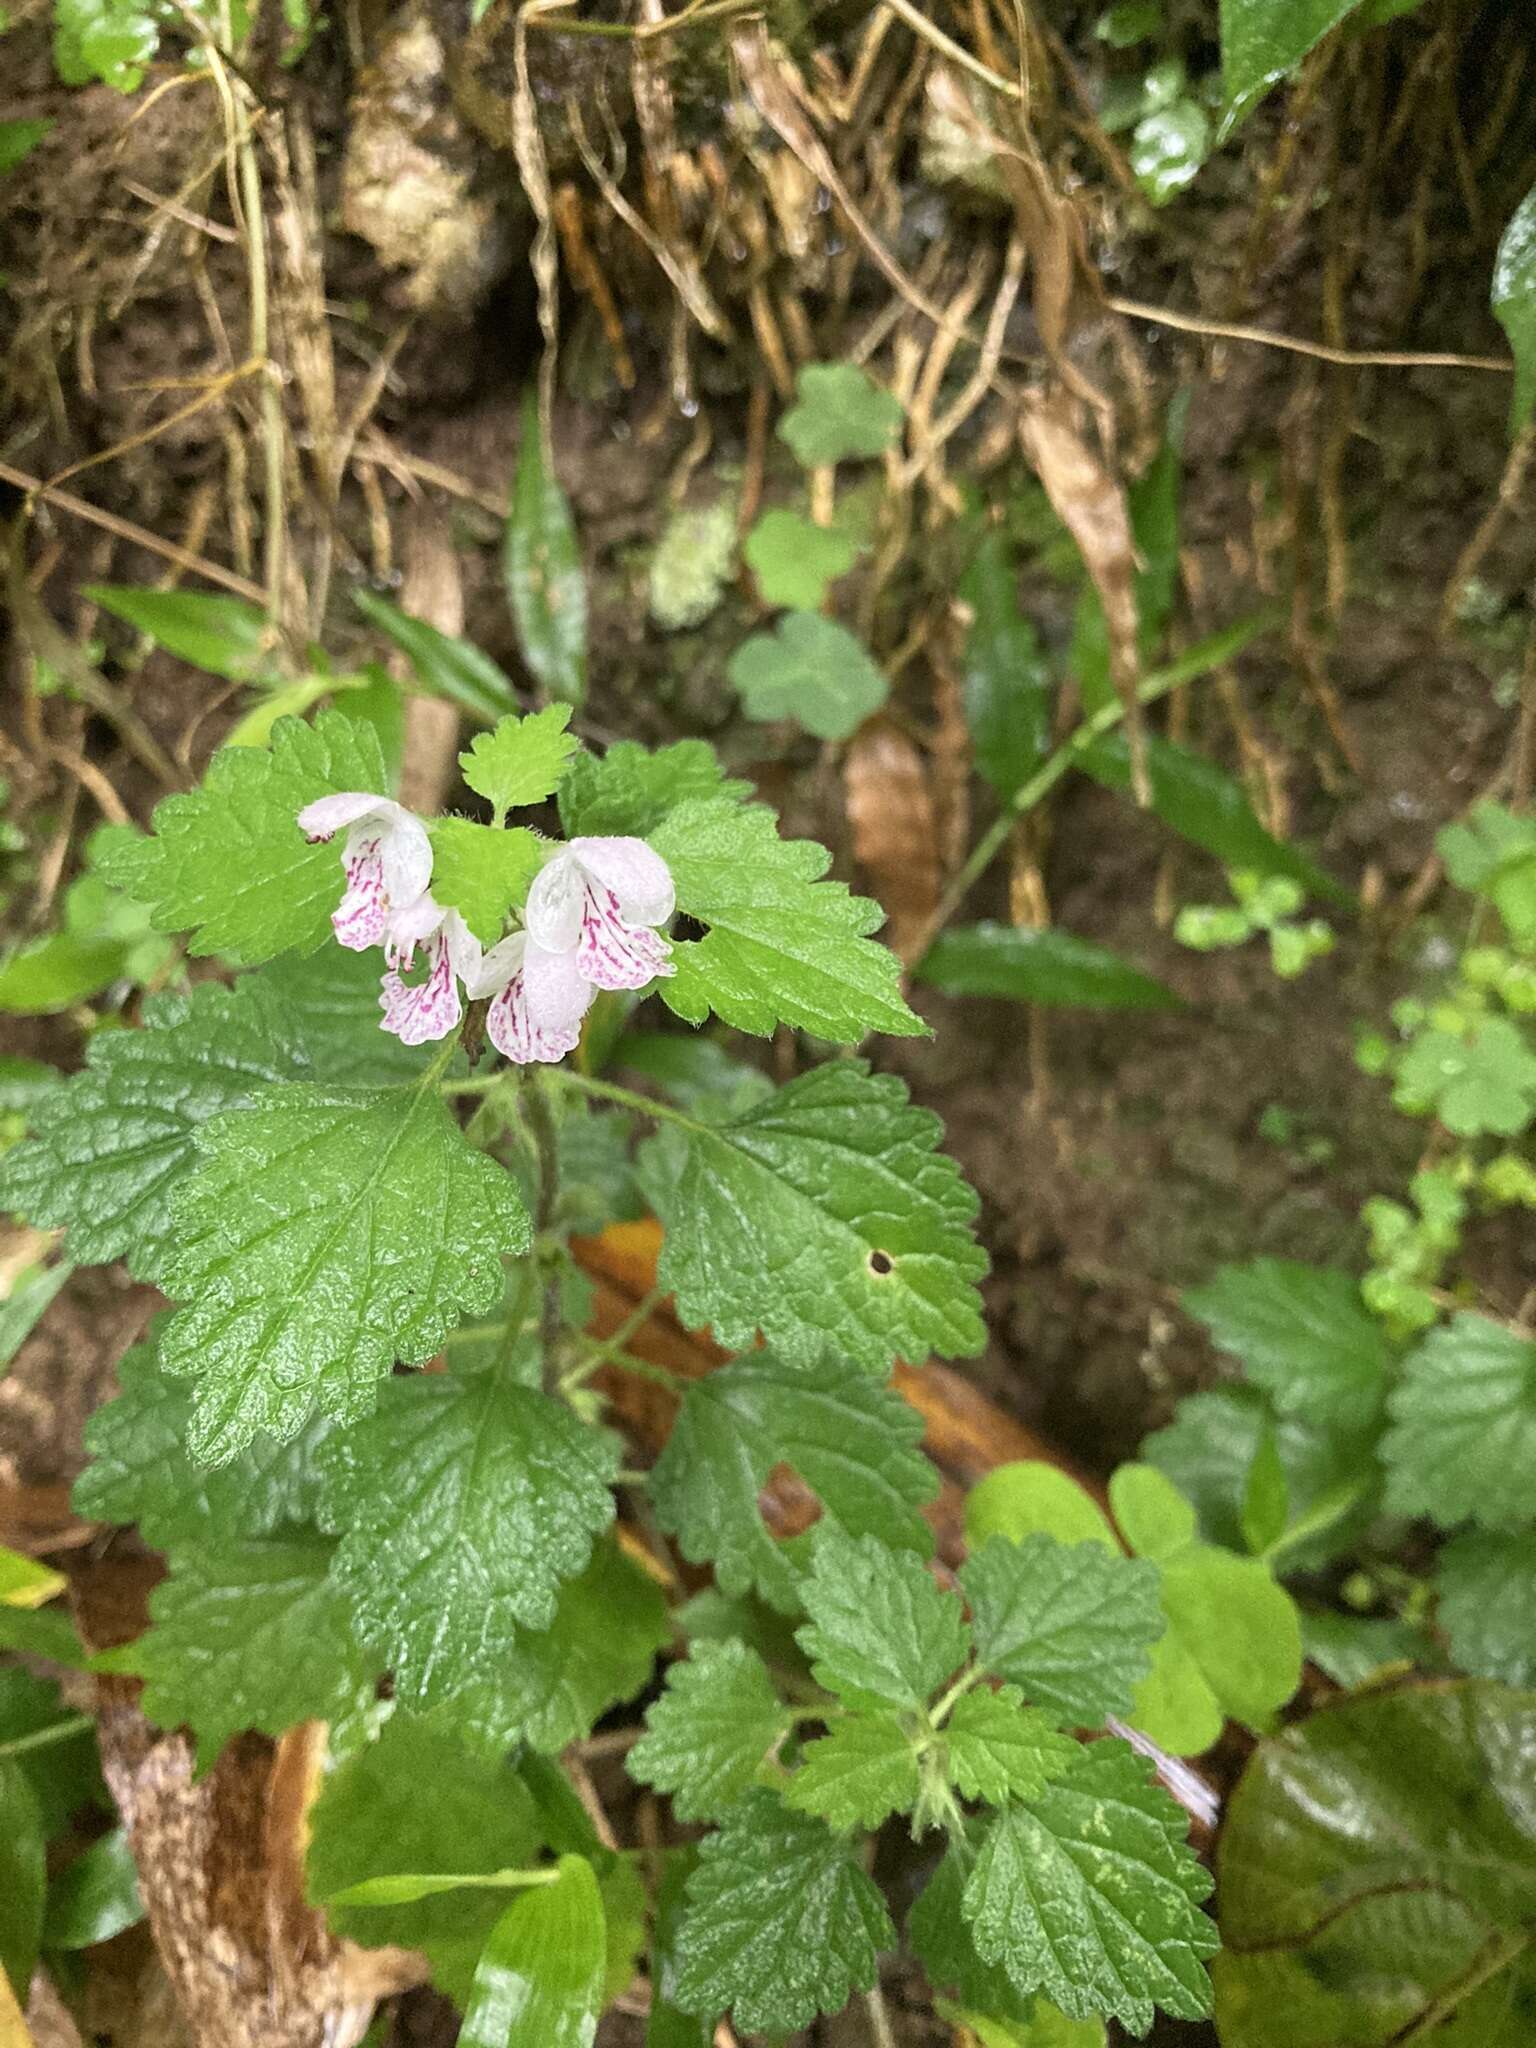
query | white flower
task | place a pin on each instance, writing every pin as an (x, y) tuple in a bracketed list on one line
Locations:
[(387, 860), (540, 1001), (430, 1008), (598, 899)]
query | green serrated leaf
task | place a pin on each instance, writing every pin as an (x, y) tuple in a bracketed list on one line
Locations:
[(780, 1922), (1514, 304), (881, 1627), (330, 1007), (539, 1980), (841, 412), (708, 1734), (824, 1216), (541, 568), (228, 862), (109, 1145), (250, 1635), (495, 1493), (782, 945), (483, 872), (852, 1440), (1050, 967), (1303, 1334), (794, 560), (1071, 1625), (224, 635), (522, 760), (629, 790), (375, 1817), (865, 1769), (1462, 1441), (327, 1233), (941, 1938), (998, 1749), (1090, 1895), (1486, 1588), (547, 1689), (809, 669), (140, 1471)]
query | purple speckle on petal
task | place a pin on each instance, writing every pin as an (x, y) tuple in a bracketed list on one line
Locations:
[(430, 1008), (612, 954)]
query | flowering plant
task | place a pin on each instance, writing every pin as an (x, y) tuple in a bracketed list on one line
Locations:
[(333, 1177)]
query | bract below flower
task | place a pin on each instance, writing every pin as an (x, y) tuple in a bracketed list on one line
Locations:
[(598, 899), (387, 859)]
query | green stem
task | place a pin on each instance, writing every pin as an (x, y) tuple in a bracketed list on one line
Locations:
[(611, 1350), (626, 1361), (41, 1738), (642, 1105), (546, 1146), (962, 1685), (1199, 660)]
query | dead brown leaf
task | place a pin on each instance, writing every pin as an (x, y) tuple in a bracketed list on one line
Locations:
[(1090, 502), (895, 829)]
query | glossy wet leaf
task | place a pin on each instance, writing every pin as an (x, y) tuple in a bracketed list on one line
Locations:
[(23, 1876), (881, 1627), (630, 789), (863, 1771), (998, 1749), (539, 1980), (495, 1493), (1261, 40), (1007, 679), (1378, 1876), (94, 1897), (1050, 967), (112, 40), (522, 760), (541, 569), (1486, 1587)]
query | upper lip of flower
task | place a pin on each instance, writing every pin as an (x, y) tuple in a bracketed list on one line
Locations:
[(387, 860)]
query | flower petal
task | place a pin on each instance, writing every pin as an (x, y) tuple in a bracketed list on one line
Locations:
[(427, 1009), (410, 927), (324, 818), (639, 877), (489, 975), (537, 1017), (361, 918), (612, 953), (406, 853), (553, 912)]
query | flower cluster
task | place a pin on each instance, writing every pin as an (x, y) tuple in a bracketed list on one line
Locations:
[(589, 924)]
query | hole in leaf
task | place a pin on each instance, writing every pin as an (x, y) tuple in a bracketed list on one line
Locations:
[(881, 1263)]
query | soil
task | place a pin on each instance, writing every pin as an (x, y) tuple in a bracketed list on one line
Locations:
[(1119, 1157)]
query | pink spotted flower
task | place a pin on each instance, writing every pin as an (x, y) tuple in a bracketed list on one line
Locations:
[(387, 860)]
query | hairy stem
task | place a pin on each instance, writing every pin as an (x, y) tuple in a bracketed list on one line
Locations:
[(541, 1127)]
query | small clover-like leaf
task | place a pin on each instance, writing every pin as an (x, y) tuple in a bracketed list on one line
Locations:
[(794, 560), (1071, 1625), (824, 1217), (228, 862), (327, 1233), (1482, 1081), (809, 669), (841, 412), (780, 1923)]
